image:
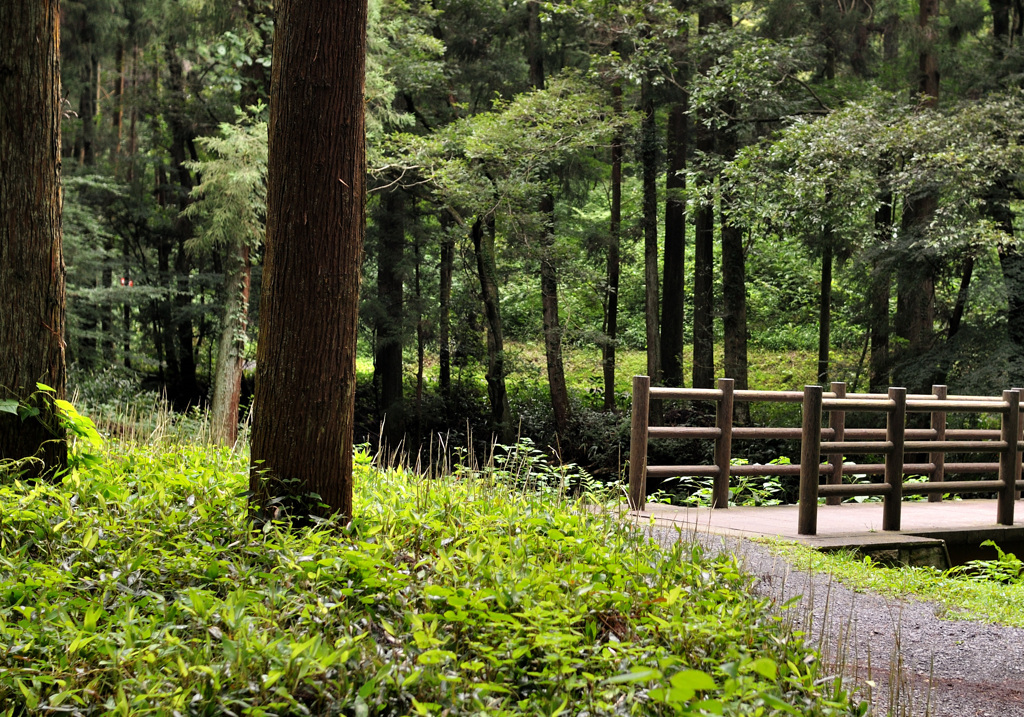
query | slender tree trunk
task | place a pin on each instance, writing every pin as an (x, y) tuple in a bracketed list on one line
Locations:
[(825, 311), (227, 381), (673, 306), (31, 251), (649, 164), (878, 305), (734, 271), (387, 375), (87, 112), (446, 270), (316, 193), (552, 325), (611, 306), (421, 339), (186, 391), (962, 294), (704, 232), (548, 273), (501, 414)]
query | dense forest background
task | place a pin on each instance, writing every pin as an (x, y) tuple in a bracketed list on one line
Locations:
[(562, 194)]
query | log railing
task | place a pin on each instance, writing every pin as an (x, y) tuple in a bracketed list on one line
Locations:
[(837, 441)]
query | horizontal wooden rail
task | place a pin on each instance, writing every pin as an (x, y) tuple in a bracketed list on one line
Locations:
[(823, 450)]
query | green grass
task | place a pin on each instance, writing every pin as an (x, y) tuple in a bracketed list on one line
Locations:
[(960, 595), (136, 586)]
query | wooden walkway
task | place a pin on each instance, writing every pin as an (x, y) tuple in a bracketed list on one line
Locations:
[(857, 526)]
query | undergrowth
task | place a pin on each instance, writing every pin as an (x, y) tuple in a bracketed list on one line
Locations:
[(136, 586), (982, 591)]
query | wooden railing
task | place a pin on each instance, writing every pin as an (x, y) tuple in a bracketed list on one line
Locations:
[(837, 441)]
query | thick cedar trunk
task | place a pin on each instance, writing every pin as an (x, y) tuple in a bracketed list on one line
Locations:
[(316, 192), (227, 381), (825, 311), (444, 319), (31, 257), (552, 325), (387, 370), (611, 306), (649, 164), (501, 414), (672, 309)]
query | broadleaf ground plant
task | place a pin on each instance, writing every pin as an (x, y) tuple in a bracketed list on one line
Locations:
[(137, 586)]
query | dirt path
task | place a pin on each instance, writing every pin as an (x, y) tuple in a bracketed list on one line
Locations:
[(919, 665)]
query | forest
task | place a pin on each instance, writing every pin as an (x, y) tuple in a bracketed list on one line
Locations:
[(560, 195), (318, 323)]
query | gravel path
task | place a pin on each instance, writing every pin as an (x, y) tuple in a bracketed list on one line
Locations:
[(919, 665)]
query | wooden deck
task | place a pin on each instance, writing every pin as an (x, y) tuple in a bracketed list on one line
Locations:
[(925, 526)]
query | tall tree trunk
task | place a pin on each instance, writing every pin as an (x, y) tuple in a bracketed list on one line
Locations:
[(446, 269), (501, 414), (825, 310), (185, 391), (227, 381), (734, 271), (552, 325), (548, 274), (316, 193), (962, 294), (387, 373), (31, 255), (87, 112), (915, 289), (704, 229), (673, 306), (611, 304), (878, 300), (649, 164)]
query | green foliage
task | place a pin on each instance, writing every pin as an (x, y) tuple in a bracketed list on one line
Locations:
[(1006, 568), (62, 420), (959, 593), (231, 201), (138, 585)]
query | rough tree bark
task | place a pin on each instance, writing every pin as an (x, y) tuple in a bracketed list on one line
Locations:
[(649, 169), (316, 194), (31, 258)]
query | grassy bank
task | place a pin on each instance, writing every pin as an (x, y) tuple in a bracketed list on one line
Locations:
[(137, 587), (989, 591)]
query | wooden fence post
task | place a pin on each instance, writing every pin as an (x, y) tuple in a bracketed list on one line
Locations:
[(1008, 458), (939, 457), (1020, 437), (895, 429), (810, 457), (837, 422), (638, 442), (723, 444)]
